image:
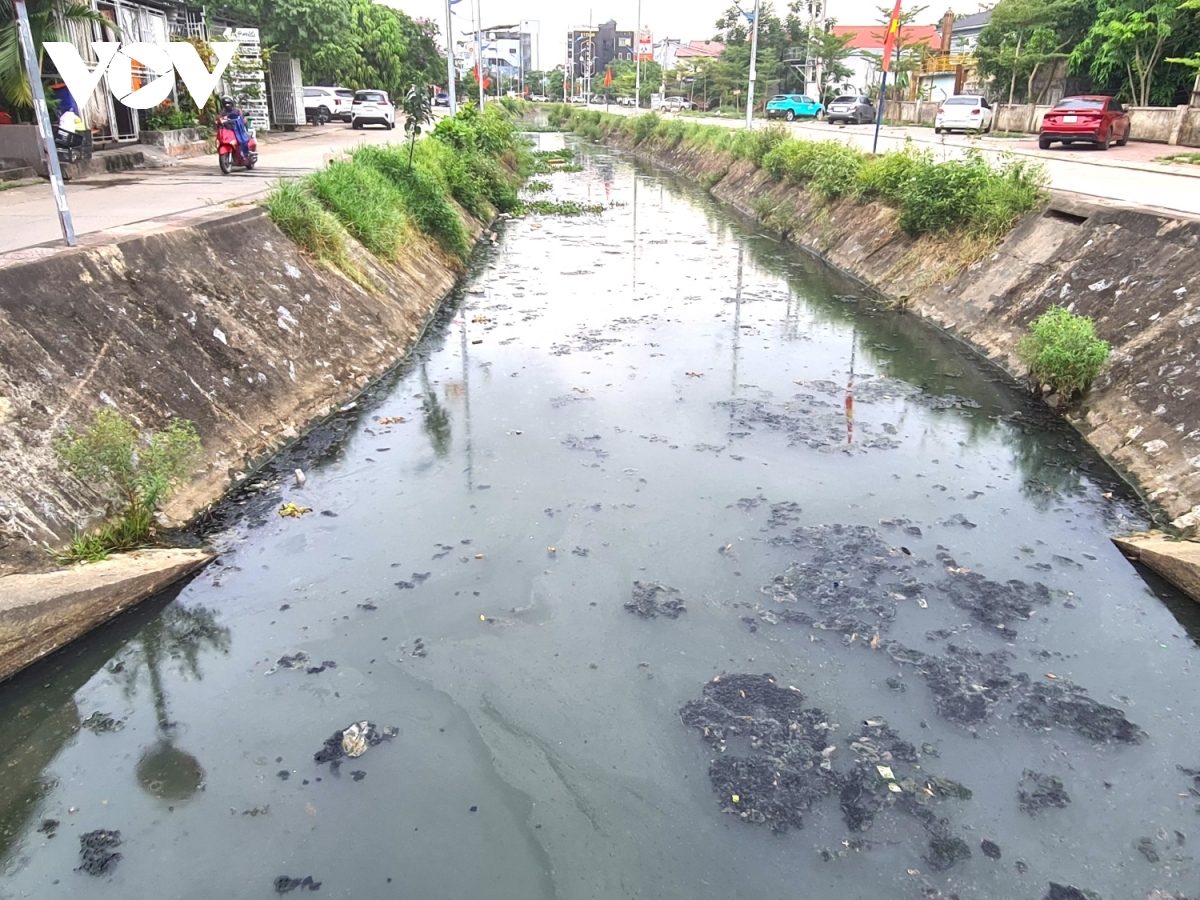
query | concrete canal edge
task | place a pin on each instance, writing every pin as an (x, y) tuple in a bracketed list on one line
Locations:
[(1175, 560), (212, 316), (43, 612)]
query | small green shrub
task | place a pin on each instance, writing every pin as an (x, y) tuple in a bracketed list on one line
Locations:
[(111, 455), (1062, 350), (644, 126), (754, 145), (538, 187), (888, 176), (557, 208), (366, 202), (940, 196), (836, 171), (1009, 193)]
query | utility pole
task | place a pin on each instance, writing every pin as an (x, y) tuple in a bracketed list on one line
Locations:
[(450, 59), (479, 50), (41, 116), (753, 73), (637, 49)]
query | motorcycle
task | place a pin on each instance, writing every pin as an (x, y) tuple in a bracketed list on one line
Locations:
[(229, 149)]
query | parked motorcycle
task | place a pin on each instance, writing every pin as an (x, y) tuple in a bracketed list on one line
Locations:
[(229, 148)]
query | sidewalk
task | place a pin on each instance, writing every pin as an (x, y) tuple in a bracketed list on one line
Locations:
[(27, 215)]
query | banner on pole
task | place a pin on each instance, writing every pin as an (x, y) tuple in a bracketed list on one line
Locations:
[(889, 42), (645, 50)]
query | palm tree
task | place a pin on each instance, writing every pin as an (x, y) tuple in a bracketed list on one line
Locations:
[(46, 18)]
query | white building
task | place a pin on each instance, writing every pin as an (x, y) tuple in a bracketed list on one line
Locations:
[(507, 50)]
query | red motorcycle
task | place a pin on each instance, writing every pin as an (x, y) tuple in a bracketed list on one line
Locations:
[(229, 149)]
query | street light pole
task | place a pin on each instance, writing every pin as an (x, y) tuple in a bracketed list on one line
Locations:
[(637, 49), (41, 116), (479, 50), (450, 59), (753, 73)]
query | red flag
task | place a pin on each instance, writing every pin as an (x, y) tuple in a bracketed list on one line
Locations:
[(608, 77), (889, 42)]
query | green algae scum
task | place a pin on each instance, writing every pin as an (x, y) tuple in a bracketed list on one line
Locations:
[(669, 565)]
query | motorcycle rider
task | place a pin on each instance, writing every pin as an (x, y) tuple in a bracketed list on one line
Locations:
[(237, 122)]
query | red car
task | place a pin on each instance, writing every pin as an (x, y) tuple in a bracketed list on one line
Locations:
[(1101, 121)]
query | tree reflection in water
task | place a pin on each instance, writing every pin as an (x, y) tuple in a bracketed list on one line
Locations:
[(436, 419), (179, 635)]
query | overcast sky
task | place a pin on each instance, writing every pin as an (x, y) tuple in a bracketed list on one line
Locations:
[(684, 19)]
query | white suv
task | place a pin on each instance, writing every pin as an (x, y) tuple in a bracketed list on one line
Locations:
[(334, 100), (372, 108)]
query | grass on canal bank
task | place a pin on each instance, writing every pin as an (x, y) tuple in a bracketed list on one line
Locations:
[(965, 197), (472, 162)]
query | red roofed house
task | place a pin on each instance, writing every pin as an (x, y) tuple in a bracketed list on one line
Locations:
[(712, 49), (868, 46)]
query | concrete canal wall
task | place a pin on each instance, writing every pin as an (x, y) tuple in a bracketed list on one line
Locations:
[(219, 319), (1135, 273)]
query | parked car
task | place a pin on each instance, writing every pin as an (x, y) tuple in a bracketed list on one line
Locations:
[(963, 112), (335, 101), (441, 98), (538, 98), (851, 109), (372, 108), (1087, 120), (625, 101), (578, 98), (793, 106)]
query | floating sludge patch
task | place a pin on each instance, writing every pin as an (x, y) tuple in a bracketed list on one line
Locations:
[(790, 762)]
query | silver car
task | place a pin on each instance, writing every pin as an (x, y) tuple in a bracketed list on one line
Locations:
[(851, 109)]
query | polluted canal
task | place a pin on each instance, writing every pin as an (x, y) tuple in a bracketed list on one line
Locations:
[(670, 565)]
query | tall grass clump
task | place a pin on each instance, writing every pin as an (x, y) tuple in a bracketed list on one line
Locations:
[(138, 474), (307, 223), (1061, 350), (424, 190), (754, 145), (835, 173), (1008, 193), (366, 202)]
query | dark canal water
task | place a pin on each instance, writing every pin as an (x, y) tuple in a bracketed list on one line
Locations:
[(655, 400)]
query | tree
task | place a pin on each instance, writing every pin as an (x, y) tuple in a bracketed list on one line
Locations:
[(316, 32), (1126, 43), (418, 112), (46, 18), (1192, 62), (1025, 37), (831, 52)]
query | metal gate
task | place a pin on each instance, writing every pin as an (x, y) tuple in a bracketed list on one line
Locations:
[(287, 91)]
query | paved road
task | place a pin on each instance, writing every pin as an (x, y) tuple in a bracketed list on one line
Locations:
[(1123, 175), (27, 214)]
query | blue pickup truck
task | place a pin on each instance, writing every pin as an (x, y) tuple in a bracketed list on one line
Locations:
[(793, 106)]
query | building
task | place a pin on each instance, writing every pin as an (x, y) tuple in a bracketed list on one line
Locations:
[(507, 50), (953, 68), (155, 22), (590, 50), (867, 47), (698, 49)]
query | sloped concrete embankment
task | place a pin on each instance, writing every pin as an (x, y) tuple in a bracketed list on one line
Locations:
[(1135, 273), (221, 321)]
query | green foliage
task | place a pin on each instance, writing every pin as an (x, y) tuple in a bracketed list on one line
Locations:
[(836, 171), (302, 218), (423, 190), (140, 474), (889, 175), (754, 145), (1127, 41), (538, 187), (366, 202), (168, 117), (969, 195), (1062, 350), (418, 112), (644, 126), (558, 208), (1026, 39)]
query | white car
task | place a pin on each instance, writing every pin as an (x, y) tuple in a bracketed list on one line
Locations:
[(963, 112), (335, 101), (538, 98), (372, 108)]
